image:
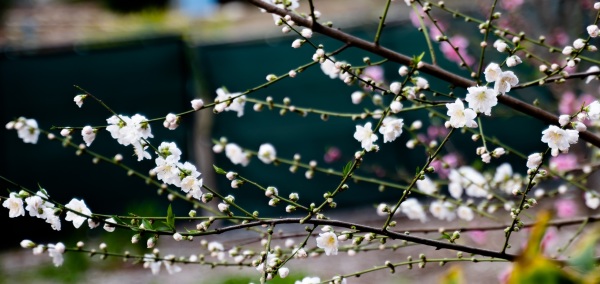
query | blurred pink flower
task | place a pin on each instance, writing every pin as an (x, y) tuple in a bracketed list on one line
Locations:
[(563, 162), (333, 154), (461, 43), (479, 237), (374, 72), (505, 274), (436, 131), (569, 103), (452, 160), (565, 208), (511, 5), (559, 37), (549, 241)]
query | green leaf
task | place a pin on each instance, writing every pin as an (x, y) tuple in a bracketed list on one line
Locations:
[(119, 220), (417, 58), (347, 168), (163, 228), (219, 170), (170, 218), (446, 236), (147, 224), (584, 259)]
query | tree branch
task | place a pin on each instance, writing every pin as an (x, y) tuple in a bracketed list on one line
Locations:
[(432, 70), (391, 234)]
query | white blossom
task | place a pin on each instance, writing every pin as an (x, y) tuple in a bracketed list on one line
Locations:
[(513, 60), (197, 104), (365, 135), (80, 207), (442, 210), (459, 116), (481, 99), (267, 153), (500, 45), (593, 110), (391, 128), (534, 160), (89, 134), (465, 213), (592, 199), (230, 102), (592, 30), (594, 68), (413, 209), (15, 205), (426, 185), (79, 100), (505, 81), (328, 242), (559, 139), (56, 252), (492, 72)]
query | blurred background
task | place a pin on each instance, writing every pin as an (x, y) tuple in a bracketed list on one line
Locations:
[(153, 57)]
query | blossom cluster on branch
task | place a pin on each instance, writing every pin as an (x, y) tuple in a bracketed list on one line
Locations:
[(445, 188)]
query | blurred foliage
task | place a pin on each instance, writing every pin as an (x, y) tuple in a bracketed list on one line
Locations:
[(533, 267), (453, 276)]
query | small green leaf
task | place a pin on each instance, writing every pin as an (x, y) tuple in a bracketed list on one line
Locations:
[(147, 224), (347, 168), (163, 228), (446, 236), (119, 220), (170, 218), (192, 231), (219, 170), (416, 59)]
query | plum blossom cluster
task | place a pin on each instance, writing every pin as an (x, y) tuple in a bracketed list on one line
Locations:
[(480, 98), (27, 129), (171, 171), (238, 156), (226, 101), (151, 261), (133, 131), (55, 251), (559, 139), (38, 206)]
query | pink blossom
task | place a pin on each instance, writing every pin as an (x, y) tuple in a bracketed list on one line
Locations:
[(569, 103), (549, 241), (333, 154), (461, 43), (565, 208), (567, 100), (437, 131), (479, 237), (559, 37), (453, 161), (505, 274), (563, 162), (511, 5), (374, 72)]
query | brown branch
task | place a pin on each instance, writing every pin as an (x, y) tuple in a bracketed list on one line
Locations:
[(432, 70), (390, 234)]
